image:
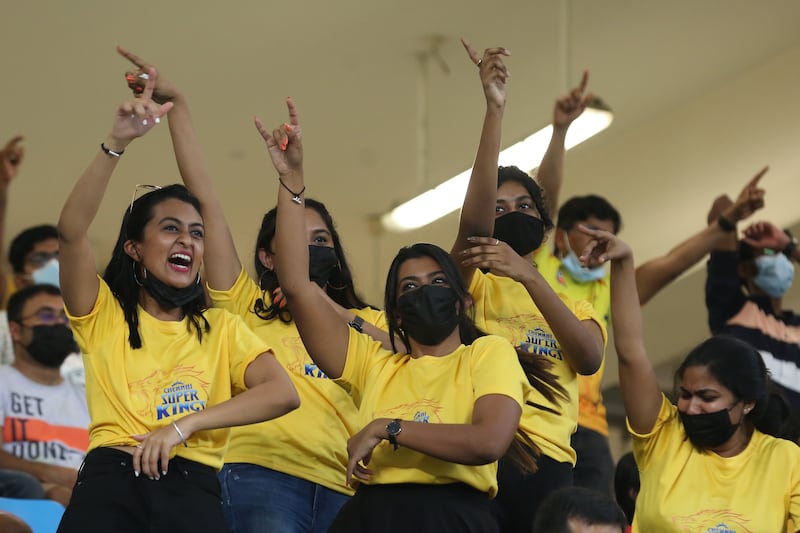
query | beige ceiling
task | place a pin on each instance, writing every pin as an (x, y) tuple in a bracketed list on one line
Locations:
[(704, 94)]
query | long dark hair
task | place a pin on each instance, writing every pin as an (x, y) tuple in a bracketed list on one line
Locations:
[(536, 369), (739, 367), (121, 275), (340, 286)]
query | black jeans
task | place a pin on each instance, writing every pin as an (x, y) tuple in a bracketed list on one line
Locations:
[(108, 498), (520, 494), (416, 508)]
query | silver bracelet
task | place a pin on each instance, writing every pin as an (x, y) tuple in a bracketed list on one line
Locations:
[(180, 434)]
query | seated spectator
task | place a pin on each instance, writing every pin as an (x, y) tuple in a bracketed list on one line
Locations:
[(579, 510), (44, 417)]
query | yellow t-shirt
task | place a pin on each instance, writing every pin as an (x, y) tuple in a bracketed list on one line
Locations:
[(503, 307), (131, 392), (435, 390), (591, 411), (686, 490), (311, 441)]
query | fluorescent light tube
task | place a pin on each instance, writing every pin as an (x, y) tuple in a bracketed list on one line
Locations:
[(445, 198)]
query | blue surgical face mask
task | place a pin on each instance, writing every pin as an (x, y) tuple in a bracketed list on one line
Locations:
[(775, 274), (47, 274), (580, 273)]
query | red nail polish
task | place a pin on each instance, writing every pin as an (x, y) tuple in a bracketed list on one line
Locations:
[(288, 127)]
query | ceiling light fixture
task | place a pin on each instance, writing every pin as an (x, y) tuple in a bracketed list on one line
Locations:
[(445, 198)]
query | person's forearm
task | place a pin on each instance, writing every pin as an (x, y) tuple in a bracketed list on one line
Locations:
[(264, 401), (10, 461), (582, 350), (222, 265), (550, 174), (83, 202), (466, 444), (477, 214), (656, 274)]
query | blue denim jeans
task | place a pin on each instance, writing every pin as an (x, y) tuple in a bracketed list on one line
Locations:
[(260, 500)]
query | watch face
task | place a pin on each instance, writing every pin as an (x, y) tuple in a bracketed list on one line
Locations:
[(393, 427)]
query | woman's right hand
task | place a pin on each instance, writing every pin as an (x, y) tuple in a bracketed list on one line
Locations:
[(136, 117), (493, 72)]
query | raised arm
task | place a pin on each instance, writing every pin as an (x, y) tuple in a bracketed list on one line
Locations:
[(656, 274), (79, 284), (10, 158), (221, 263), (477, 213), (551, 170), (637, 379), (324, 333)]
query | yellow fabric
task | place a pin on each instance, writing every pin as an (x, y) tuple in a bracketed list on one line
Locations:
[(131, 392), (433, 390), (591, 410), (311, 441), (503, 307), (685, 490)]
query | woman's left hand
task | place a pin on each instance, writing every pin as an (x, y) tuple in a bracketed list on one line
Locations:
[(604, 246), (359, 450), (155, 447), (284, 143), (497, 256)]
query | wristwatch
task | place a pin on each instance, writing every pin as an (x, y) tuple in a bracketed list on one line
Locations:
[(789, 250), (357, 324), (393, 429)]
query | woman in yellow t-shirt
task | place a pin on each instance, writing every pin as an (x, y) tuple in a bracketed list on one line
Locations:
[(449, 408), (287, 474), (503, 221), (161, 369), (711, 462)]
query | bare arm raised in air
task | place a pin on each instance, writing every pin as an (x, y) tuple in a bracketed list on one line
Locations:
[(222, 265), (550, 174), (10, 158), (79, 284), (656, 274), (641, 394), (478, 211)]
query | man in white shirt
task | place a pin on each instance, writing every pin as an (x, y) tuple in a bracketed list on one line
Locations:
[(44, 417)]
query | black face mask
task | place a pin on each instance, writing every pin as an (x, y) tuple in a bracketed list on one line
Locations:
[(428, 314), (708, 430), (169, 297), (322, 262), (524, 233), (51, 344)]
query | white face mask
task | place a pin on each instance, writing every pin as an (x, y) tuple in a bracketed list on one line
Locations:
[(49, 273), (580, 273)]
